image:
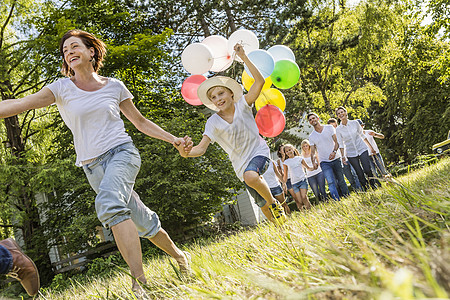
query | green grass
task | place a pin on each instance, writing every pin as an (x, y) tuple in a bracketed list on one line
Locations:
[(392, 243)]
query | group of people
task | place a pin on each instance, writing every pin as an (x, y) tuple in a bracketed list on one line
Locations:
[(91, 106), (331, 152)]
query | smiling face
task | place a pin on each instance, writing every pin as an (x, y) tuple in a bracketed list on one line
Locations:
[(341, 114), (306, 148), (221, 97), (76, 53), (313, 120), (289, 151)]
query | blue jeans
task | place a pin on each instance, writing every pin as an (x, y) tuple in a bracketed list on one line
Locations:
[(112, 176), (6, 260), (275, 191), (351, 176), (302, 184), (317, 184), (361, 164), (332, 170), (258, 164), (377, 165)]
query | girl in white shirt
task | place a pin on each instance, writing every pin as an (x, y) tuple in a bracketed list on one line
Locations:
[(293, 166), (90, 106), (315, 178), (234, 128), (350, 136)]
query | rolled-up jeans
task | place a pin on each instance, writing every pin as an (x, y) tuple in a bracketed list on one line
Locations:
[(112, 176), (6, 260), (334, 176)]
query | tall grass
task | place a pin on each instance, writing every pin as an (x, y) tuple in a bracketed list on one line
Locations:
[(392, 243)]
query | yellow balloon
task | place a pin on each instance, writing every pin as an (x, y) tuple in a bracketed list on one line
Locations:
[(247, 81), (272, 97)]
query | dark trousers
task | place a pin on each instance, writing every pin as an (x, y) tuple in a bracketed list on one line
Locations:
[(361, 164)]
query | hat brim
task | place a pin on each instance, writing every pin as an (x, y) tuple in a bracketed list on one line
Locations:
[(227, 82)]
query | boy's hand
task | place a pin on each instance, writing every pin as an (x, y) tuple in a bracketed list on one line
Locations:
[(183, 145), (239, 49)]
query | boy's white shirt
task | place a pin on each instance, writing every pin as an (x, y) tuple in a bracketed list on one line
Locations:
[(240, 139), (295, 169), (93, 117), (324, 142)]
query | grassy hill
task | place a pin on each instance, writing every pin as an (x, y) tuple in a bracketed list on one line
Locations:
[(392, 243)]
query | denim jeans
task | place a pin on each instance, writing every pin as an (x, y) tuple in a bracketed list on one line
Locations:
[(6, 260), (351, 176), (361, 164), (317, 184), (332, 170), (377, 165), (258, 164), (112, 176)]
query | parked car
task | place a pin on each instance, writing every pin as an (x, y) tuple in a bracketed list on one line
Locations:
[(442, 147)]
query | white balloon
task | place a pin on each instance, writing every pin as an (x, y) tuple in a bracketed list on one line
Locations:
[(197, 58), (219, 48), (280, 52), (245, 37)]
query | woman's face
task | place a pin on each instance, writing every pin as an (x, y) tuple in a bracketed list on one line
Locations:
[(289, 151), (341, 114), (76, 53), (306, 148)]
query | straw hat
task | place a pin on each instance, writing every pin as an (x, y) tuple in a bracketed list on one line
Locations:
[(227, 82)]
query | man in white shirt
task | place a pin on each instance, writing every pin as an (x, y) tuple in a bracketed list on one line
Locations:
[(323, 139)]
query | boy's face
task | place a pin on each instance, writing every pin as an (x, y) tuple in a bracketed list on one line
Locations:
[(221, 97)]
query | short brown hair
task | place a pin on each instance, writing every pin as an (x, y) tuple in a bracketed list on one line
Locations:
[(311, 114), (90, 41), (332, 120), (338, 108)]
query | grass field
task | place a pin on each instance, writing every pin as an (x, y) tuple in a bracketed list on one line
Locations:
[(392, 243)]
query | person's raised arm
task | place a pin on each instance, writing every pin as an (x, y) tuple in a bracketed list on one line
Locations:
[(12, 107), (376, 134), (257, 86)]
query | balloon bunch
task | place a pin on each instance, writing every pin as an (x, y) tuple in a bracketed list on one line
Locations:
[(277, 65)]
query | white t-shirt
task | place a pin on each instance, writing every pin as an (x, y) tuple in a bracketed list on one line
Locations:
[(240, 139), (324, 142), (93, 117), (309, 163), (270, 176), (295, 169), (351, 137), (371, 141)]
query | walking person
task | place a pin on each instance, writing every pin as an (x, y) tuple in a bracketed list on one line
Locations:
[(316, 179), (350, 136), (287, 184), (376, 160), (323, 140), (293, 165), (234, 128), (90, 106), (273, 178), (348, 170), (14, 263)]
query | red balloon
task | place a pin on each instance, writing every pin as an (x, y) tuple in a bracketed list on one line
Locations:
[(189, 89), (270, 121)]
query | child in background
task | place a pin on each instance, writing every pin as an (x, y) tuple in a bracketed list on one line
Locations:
[(293, 166), (234, 128), (315, 178), (272, 177), (286, 184)]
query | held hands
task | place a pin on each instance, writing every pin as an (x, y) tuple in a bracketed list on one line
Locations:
[(183, 145), (344, 160), (371, 133)]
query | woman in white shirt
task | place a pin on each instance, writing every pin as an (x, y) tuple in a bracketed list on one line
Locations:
[(354, 147), (90, 106), (293, 167), (315, 178)]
